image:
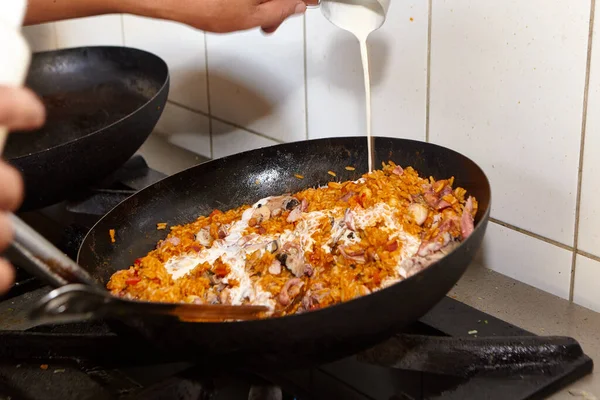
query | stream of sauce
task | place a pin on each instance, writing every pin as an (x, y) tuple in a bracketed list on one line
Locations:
[(359, 17), (364, 55)]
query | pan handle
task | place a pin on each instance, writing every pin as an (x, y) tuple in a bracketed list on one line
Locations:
[(76, 302), (79, 302)]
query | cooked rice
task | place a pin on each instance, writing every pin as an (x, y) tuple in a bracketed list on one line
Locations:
[(316, 248)]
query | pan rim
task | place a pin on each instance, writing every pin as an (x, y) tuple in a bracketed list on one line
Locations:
[(134, 50), (481, 224)]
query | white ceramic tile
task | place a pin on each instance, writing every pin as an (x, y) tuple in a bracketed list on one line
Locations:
[(104, 30), (529, 260), (228, 140), (257, 81), (507, 83), (41, 37), (398, 58), (586, 291), (589, 217), (183, 50), (186, 129)]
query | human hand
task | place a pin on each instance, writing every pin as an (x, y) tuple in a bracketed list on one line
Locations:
[(218, 16), (221, 16), (19, 110)]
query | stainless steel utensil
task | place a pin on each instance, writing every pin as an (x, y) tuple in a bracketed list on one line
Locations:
[(78, 302), (46, 261), (79, 297)]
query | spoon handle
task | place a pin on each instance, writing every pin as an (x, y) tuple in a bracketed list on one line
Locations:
[(44, 260)]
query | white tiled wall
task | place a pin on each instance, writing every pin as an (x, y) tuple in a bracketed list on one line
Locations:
[(507, 87), (41, 37), (106, 30), (183, 50), (398, 58), (258, 82)]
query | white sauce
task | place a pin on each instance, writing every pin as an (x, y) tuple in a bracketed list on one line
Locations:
[(307, 226), (230, 253), (381, 212), (233, 251), (359, 17), (364, 55)]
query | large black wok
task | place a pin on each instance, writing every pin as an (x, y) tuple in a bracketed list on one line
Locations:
[(298, 340), (102, 103)]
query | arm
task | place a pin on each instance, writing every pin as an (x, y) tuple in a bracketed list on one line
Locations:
[(208, 15), (40, 11)]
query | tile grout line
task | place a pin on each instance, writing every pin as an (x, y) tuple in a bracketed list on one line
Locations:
[(226, 122), (545, 239), (586, 91), (210, 124), (192, 109), (428, 66), (248, 130), (532, 234), (55, 34), (588, 255), (123, 30), (305, 75)]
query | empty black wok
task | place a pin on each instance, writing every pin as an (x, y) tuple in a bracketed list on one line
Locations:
[(101, 102), (299, 340)]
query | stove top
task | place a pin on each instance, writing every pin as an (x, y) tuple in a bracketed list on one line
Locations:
[(453, 352)]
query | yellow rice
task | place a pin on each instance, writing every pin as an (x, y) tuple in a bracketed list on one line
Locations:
[(335, 278)]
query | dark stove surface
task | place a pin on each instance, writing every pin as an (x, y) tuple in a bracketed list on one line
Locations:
[(453, 352)]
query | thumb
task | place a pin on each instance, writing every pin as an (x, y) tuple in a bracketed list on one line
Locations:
[(272, 13), (20, 109)]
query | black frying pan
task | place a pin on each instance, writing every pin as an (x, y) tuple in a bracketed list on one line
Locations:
[(102, 103), (297, 340)]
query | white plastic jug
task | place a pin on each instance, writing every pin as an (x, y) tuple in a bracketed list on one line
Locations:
[(360, 17)]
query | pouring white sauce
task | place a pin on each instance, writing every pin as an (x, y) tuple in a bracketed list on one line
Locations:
[(359, 17)]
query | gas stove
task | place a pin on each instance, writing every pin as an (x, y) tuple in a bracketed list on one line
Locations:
[(453, 352)]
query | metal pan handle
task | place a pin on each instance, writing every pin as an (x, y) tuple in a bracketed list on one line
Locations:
[(76, 302)]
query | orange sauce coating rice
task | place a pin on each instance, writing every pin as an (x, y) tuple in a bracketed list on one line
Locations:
[(318, 247)]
